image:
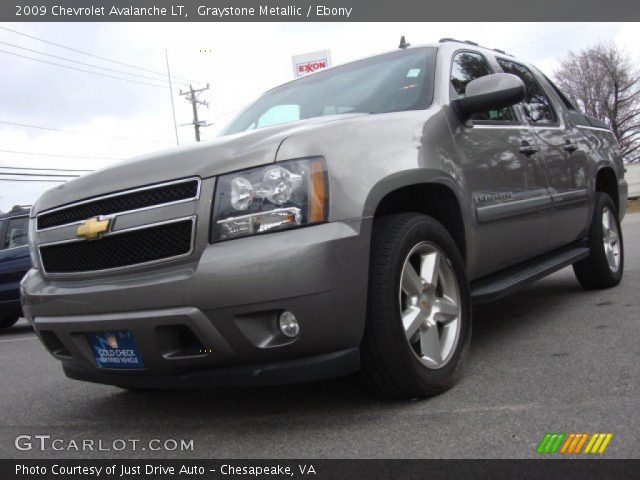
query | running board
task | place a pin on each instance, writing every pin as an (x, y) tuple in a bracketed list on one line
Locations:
[(503, 283)]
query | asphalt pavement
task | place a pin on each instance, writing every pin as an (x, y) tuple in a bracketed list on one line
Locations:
[(550, 358)]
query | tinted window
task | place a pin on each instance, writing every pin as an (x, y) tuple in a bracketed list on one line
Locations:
[(468, 66), (536, 104), (393, 82), (567, 103), (279, 114), (16, 234)]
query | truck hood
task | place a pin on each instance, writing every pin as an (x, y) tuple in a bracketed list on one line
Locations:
[(206, 159)]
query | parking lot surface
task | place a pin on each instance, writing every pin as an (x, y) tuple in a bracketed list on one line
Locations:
[(550, 358)]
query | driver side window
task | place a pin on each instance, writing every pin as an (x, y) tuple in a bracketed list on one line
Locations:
[(468, 66)]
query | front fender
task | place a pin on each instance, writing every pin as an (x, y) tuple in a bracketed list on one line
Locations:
[(368, 157), (408, 178)]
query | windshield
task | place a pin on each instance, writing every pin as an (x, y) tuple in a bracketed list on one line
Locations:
[(392, 82)]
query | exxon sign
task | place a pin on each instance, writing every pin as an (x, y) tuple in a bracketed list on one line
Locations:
[(307, 63)]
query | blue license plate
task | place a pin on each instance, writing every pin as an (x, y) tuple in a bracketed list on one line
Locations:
[(115, 350)]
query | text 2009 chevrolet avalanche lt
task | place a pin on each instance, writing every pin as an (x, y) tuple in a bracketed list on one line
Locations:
[(343, 222)]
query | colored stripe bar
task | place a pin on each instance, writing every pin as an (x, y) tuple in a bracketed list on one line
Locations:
[(583, 439), (543, 443), (592, 440), (567, 443), (596, 445), (553, 446), (572, 443), (551, 442), (605, 442)]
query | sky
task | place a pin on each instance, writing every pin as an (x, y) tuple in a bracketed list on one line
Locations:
[(106, 119)]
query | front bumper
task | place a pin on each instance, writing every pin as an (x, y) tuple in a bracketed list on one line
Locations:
[(227, 302), (307, 369)]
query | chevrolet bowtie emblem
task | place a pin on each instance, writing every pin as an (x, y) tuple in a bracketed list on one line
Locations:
[(92, 228)]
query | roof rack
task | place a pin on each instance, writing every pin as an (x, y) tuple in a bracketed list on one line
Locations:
[(449, 39), (469, 42), (502, 52)]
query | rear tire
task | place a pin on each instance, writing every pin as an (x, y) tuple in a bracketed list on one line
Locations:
[(604, 266), (8, 322), (418, 324)]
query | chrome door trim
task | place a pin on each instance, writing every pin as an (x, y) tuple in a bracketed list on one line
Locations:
[(598, 129), (569, 198), (490, 213)]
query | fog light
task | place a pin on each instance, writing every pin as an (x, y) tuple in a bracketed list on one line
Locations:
[(289, 324)]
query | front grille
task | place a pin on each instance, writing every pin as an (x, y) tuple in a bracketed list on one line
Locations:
[(119, 250), (120, 203)]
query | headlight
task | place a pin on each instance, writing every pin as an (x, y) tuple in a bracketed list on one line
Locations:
[(274, 197), (32, 248)]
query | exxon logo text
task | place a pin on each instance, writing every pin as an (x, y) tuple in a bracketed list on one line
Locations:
[(310, 67)]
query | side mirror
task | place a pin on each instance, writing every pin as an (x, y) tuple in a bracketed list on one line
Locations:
[(491, 92)]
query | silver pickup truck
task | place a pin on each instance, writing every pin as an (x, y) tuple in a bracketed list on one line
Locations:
[(343, 222)]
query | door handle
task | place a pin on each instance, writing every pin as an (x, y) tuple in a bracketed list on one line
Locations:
[(528, 149), (570, 147)]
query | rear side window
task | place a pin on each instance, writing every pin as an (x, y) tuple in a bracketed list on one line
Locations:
[(468, 66), (567, 103), (536, 103), (16, 233)]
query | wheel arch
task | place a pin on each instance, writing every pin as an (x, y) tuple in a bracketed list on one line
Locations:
[(422, 192), (607, 182)]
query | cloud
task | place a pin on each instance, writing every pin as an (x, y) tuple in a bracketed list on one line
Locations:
[(238, 60)]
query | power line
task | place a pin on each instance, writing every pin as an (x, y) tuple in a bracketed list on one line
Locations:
[(38, 174), (61, 155), (29, 180), (551, 36), (40, 127), (84, 63), (83, 70), (46, 169), (89, 54)]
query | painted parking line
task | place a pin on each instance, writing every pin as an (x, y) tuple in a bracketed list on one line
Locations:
[(18, 339)]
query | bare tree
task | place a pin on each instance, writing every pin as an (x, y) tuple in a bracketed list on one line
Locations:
[(604, 82)]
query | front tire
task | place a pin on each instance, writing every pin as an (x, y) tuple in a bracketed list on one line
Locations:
[(418, 315), (604, 266)]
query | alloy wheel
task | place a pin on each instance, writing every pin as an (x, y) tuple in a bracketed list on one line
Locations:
[(611, 239), (430, 304)]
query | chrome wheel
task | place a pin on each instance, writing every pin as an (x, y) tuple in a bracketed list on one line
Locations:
[(430, 304), (611, 239)]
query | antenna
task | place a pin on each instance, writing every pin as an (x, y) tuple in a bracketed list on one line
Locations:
[(403, 43)]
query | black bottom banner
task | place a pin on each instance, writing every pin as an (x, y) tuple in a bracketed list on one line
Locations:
[(319, 469)]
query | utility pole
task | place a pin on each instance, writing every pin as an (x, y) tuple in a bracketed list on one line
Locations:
[(192, 96)]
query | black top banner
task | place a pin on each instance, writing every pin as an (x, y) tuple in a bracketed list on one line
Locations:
[(318, 11)]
